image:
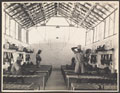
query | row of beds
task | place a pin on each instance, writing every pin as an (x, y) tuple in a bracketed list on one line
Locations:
[(88, 81), (35, 81)]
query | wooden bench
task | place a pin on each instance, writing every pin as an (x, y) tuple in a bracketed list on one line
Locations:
[(20, 86), (42, 69), (28, 78), (87, 79), (109, 86), (93, 86), (84, 86)]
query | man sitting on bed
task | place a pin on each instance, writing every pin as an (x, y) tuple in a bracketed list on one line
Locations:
[(16, 67), (72, 66)]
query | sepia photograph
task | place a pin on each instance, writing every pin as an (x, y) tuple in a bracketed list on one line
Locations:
[(60, 46)]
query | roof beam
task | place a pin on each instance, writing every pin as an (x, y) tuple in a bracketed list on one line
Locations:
[(8, 6), (56, 8), (14, 19), (87, 14), (63, 7), (100, 11), (74, 9), (42, 9), (106, 17), (16, 13), (63, 13), (83, 6), (103, 7), (50, 9), (97, 14), (92, 14), (11, 10), (24, 8)]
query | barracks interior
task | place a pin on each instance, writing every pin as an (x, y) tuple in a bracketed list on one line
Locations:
[(54, 46)]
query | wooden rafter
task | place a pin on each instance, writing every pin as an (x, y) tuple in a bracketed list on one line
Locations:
[(26, 11), (87, 14), (56, 8), (97, 14), (82, 14), (14, 19)]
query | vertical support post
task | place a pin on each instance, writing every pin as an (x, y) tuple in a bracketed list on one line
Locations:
[(114, 23), (9, 26), (104, 28), (109, 26), (5, 23), (27, 37), (43, 82), (113, 62), (15, 31), (39, 87), (86, 38), (93, 34), (68, 79), (19, 33)]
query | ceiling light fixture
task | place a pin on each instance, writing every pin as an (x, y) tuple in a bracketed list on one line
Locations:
[(57, 37), (57, 26)]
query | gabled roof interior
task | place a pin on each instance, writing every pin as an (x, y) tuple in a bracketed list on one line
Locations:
[(83, 14)]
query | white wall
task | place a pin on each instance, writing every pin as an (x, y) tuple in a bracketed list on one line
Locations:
[(56, 55), (56, 52), (13, 40)]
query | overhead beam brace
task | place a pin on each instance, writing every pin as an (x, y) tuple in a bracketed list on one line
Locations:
[(14, 9), (65, 8), (103, 19), (14, 19), (55, 25), (92, 14), (83, 6), (63, 13), (56, 8), (50, 9), (106, 16), (103, 7), (87, 14), (97, 14), (8, 6), (16, 13), (43, 11), (61, 5), (24, 8), (100, 11), (74, 9)]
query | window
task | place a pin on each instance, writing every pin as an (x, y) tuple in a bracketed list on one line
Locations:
[(106, 28), (16, 35), (4, 22), (110, 25), (96, 34), (116, 21), (101, 31), (89, 37), (27, 33), (19, 33), (7, 25), (23, 35), (12, 28)]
